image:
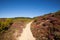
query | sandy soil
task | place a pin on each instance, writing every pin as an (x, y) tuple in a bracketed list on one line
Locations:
[(26, 34)]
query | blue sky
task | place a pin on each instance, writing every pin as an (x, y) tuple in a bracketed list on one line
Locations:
[(27, 8)]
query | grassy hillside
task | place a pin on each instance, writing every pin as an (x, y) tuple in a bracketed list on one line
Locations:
[(11, 28), (46, 27)]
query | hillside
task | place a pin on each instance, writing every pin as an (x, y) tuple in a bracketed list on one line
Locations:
[(11, 28), (46, 27)]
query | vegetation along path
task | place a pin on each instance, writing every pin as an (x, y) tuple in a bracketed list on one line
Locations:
[(26, 34)]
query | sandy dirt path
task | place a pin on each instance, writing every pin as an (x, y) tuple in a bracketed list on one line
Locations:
[(26, 34)]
